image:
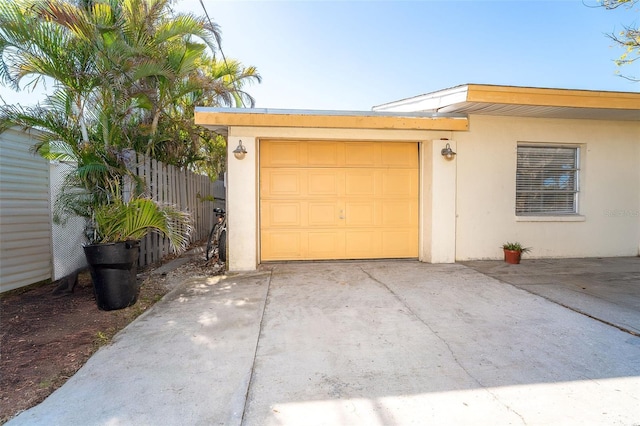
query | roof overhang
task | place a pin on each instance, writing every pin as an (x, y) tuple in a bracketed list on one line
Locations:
[(524, 102), (222, 118)]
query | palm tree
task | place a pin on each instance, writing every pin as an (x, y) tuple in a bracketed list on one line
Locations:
[(210, 83), (35, 48), (129, 71), (229, 78)]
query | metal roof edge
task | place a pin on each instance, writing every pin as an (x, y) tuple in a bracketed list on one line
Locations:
[(344, 113), (431, 100)]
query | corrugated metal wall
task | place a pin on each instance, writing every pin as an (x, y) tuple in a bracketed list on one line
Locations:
[(25, 213), (33, 249)]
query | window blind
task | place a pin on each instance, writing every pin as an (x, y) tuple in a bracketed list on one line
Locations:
[(546, 180)]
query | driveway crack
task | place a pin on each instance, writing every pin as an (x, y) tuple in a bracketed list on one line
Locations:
[(446, 344)]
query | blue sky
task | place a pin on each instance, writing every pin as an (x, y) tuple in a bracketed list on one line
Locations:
[(352, 55)]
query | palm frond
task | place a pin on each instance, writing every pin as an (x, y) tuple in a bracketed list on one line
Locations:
[(132, 220)]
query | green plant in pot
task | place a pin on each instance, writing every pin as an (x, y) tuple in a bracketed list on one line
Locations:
[(116, 229), (513, 252), (101, 189)]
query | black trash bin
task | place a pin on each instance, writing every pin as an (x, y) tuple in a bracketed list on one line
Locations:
[(113, 269)]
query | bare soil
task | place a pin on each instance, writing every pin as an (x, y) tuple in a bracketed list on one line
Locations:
[(45, 338)]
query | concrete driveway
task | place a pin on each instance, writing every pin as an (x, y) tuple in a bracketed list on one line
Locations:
[(355, 343), (606, 289)]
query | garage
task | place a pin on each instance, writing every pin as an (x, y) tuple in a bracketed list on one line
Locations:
[(315, 185), (322, 199)]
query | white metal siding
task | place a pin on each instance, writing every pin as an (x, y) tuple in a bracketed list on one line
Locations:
[(25, 213)]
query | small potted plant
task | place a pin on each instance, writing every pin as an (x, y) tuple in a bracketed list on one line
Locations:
[(513, 252)]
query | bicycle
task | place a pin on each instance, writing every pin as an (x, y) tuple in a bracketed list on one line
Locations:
[(217, 242)]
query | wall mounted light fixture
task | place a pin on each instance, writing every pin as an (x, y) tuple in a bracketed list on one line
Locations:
[(240, 151), (447, 152)]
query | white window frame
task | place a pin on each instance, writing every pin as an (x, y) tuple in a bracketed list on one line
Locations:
[(548, 214)]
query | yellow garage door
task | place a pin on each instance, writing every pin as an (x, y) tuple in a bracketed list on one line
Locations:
[(338, 200)]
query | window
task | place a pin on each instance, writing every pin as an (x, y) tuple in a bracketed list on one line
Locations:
[(547, 180)]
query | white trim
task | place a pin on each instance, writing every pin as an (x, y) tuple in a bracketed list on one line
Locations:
[(427, 102), (569, 218)]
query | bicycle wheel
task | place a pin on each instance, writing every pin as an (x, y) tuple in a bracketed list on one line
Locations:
[(222, 246), (211, 242)]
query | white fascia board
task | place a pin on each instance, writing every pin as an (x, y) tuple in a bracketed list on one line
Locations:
[(430, 102)]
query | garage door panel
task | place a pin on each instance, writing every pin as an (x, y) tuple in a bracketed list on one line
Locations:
[(282, 214), (398, 155), (360, 214), (399, 213), (360, 182), (282, 182), (324, 214), (283, 245), (325, 244), (283, 154), (327, 154), (324, 182), (397, 242), (362, 244), (360, 154), (399, 183)]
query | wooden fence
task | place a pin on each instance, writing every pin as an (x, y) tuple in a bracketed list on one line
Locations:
[(186, 190)]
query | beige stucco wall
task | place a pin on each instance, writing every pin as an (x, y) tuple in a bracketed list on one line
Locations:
[(438, 203), (609, 201), (243, 188), (467, 204)]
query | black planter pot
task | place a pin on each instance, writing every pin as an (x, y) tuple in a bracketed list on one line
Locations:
[(113, 269)]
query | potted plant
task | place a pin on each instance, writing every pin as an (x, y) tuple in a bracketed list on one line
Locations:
[(513, 252), (115, 230), (101, 189)]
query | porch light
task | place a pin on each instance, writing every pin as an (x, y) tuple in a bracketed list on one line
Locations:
[(240, 151), (447, 152)]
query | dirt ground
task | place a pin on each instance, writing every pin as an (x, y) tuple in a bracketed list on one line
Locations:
[(45, 338)]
